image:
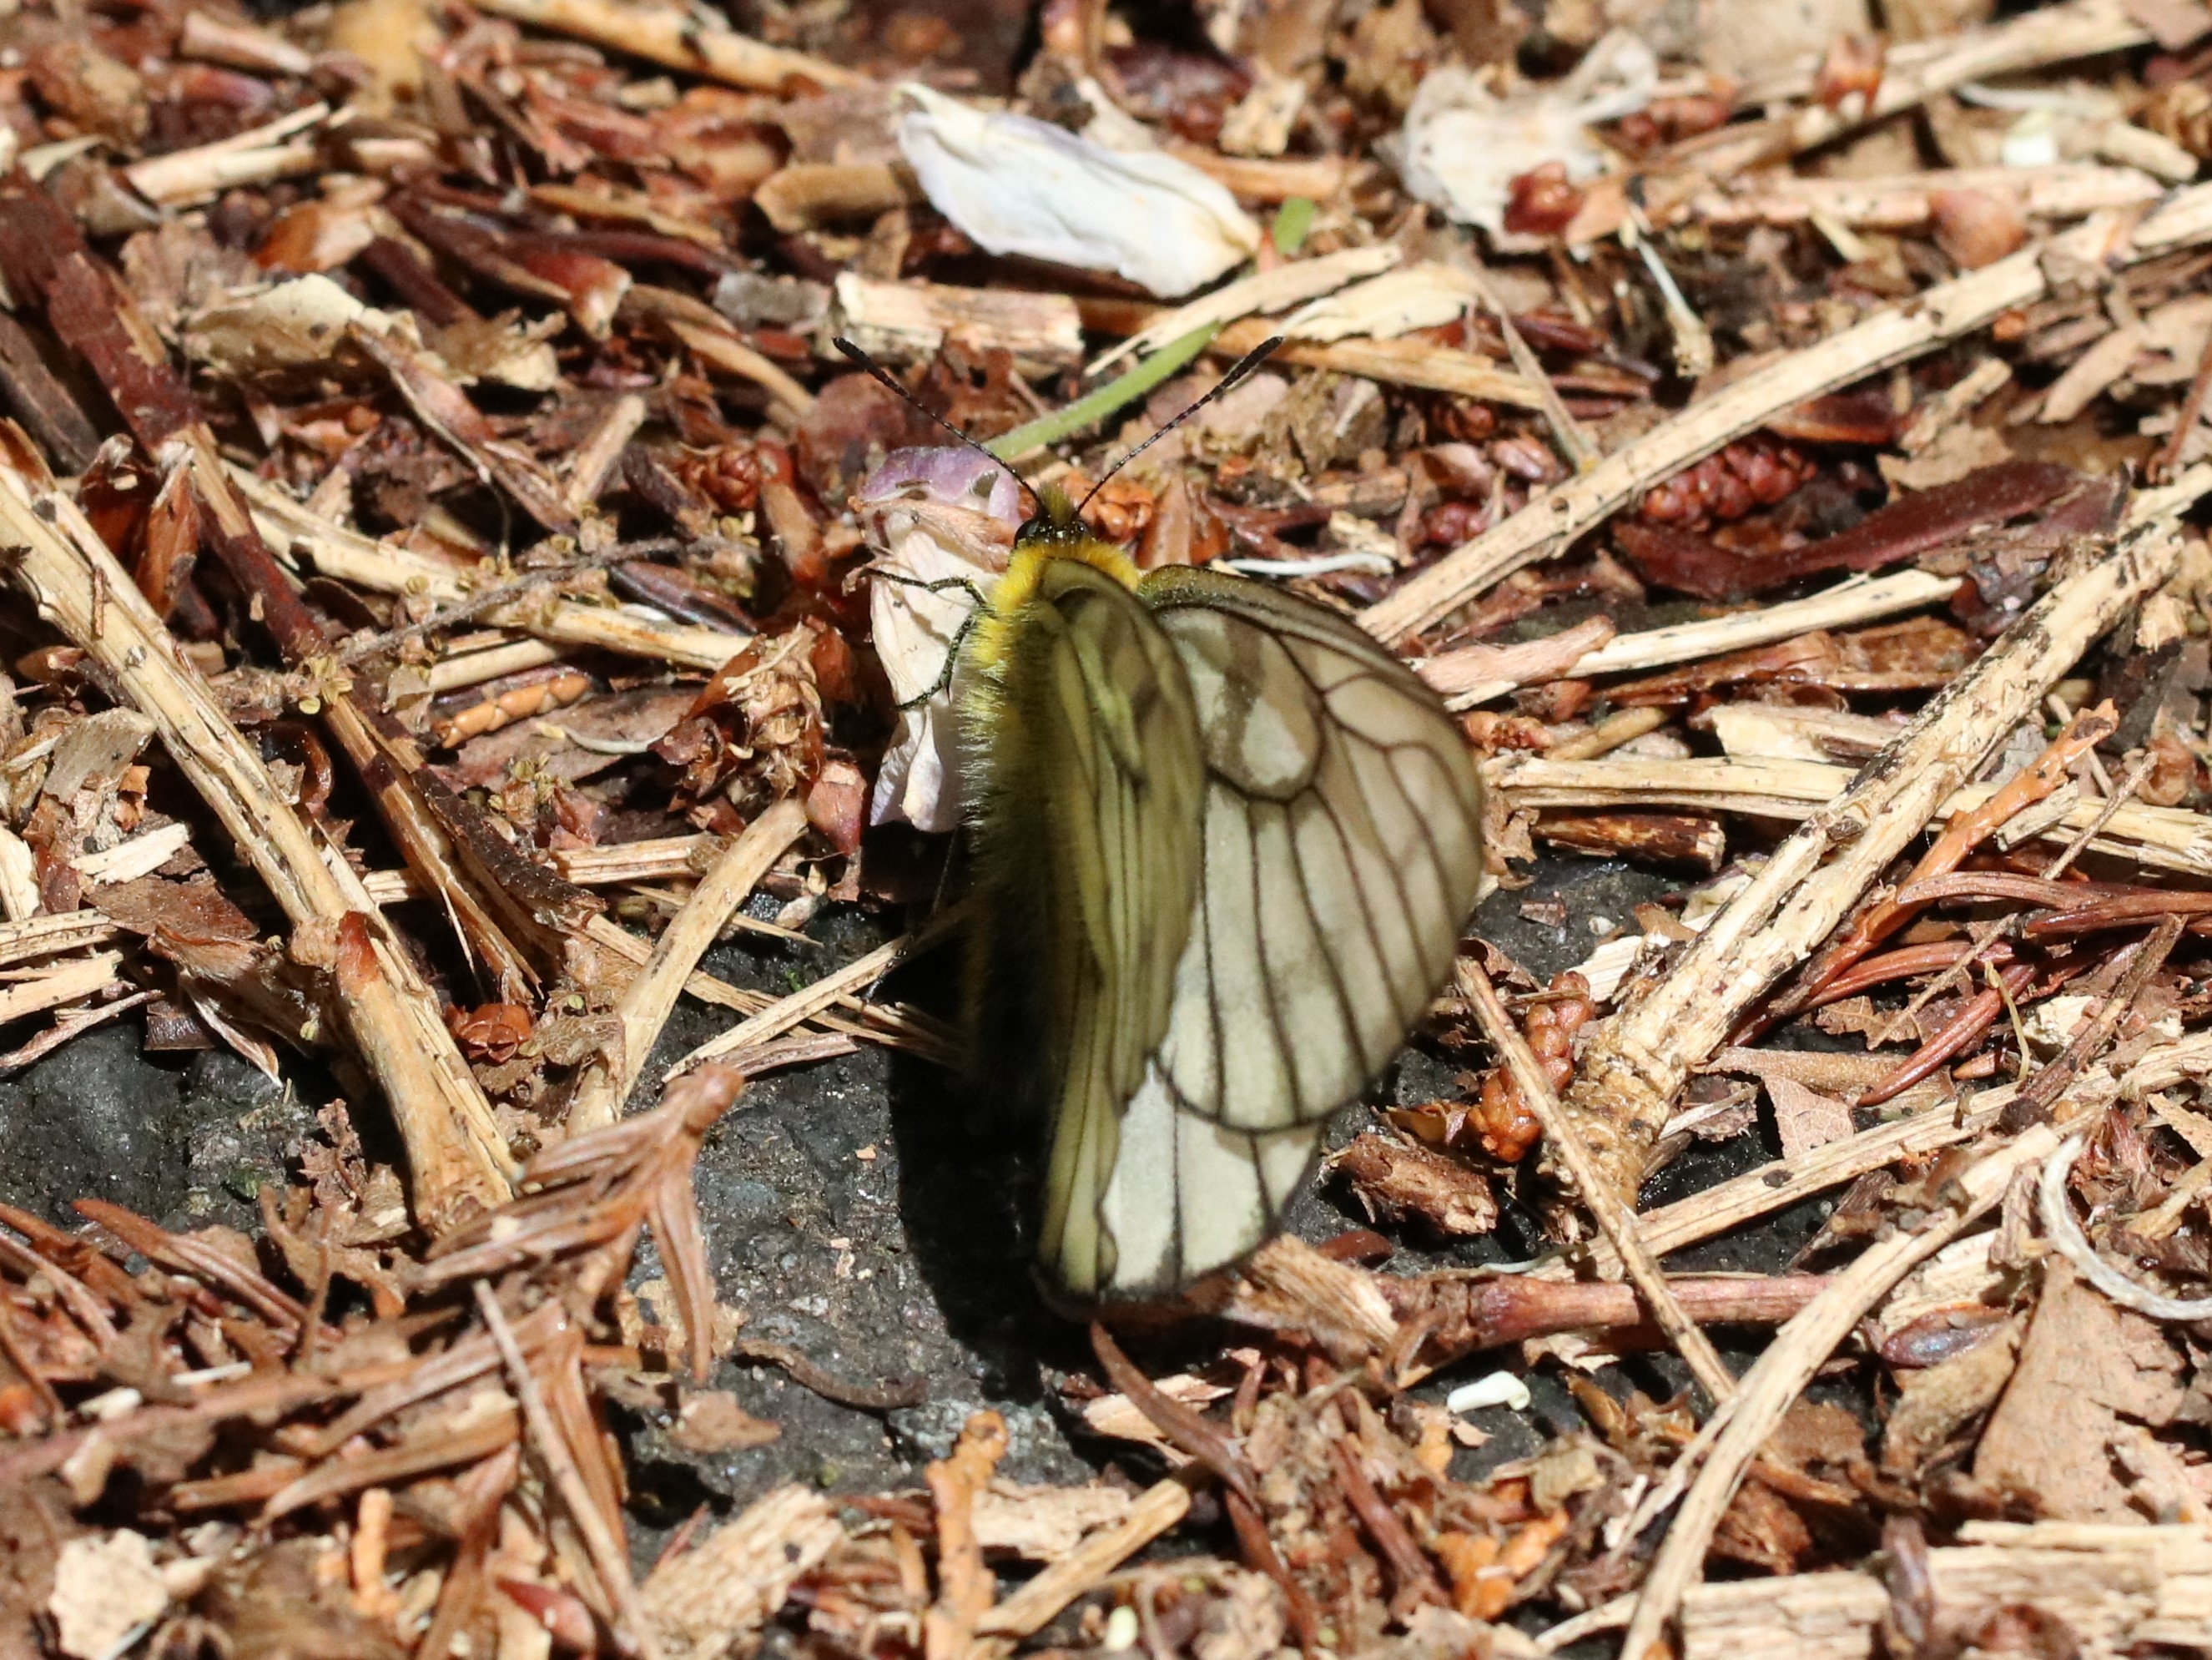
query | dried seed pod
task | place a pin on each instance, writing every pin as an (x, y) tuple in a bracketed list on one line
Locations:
[(1489, 731), (1450, 523), (1121, 510), (2172, 776), (1974, 228), (492, 1031), (1499, 1117), (1542, 202), (729, 476), (1525, 457), (1751, 472)]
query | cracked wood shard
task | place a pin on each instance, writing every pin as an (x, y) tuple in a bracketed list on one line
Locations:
[(607, 1078), (2128, 1582), (457, 1158), (1734, 1437), (1555, 517), (1640, 1058), (674, 35), (384, 568), (1765, 786)]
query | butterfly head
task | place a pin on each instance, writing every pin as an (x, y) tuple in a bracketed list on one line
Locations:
[(1055, 524), (1054, 531)]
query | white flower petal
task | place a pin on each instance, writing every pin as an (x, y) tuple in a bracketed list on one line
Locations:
[(1020, 185)]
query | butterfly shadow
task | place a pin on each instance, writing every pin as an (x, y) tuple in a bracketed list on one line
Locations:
[(967, 1190)]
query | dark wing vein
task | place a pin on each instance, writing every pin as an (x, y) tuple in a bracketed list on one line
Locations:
[(1341, 856)]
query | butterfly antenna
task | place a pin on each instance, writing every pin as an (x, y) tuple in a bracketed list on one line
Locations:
[(868, 365), (1242, 367)]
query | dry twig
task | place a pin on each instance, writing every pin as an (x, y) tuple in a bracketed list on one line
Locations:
[(1616, 1216), (1631, 1074), (1558, 515)]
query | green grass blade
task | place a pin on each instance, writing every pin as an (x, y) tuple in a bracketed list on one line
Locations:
[(1090, 409)]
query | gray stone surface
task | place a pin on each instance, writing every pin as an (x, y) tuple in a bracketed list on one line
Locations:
[(849, 1210)]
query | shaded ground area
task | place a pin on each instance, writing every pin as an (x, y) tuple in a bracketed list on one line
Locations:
[(849, 1212)]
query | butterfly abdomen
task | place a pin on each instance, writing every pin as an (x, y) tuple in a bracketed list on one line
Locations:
[(1020, 968)]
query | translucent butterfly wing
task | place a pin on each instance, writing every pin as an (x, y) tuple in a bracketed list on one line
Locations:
[(1188, 1194), (1340, 855), (1089, 844)]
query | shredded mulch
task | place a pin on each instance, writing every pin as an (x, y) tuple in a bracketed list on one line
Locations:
[(445, 534)]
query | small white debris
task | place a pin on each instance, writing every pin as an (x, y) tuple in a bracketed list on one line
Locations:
[(1383, 308), (1605, 968), (1462, 146), (1499, 1388), (1320, 565), (1121, 1630), (106, 1589)]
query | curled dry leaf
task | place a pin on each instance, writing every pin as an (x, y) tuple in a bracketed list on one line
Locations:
[(286, 328), (937, 517), (710, 1421), (2086, 1369), (1804, 1118), (1462, 146), (1935, 1405)]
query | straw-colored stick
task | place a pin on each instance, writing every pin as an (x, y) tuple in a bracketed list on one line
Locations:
[(676, 36), (456, 1154), (1555, 516), (1615, 1219), (606, 1080), (1781, 1374), (1639, 1059)]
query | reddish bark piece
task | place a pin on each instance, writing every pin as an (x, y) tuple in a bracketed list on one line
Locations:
[(1510, 1309), (1686, 839), (1910, 526), (1903, 964), (1670, 558), (1398, 1179), (1963, 1029), (2118, 911), (1882, 917), (1839, 418), (1929, 518)]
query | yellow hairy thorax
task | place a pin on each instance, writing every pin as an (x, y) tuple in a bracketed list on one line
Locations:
[(1054, 533)]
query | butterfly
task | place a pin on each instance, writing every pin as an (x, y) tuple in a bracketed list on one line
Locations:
[(1225, 844)]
